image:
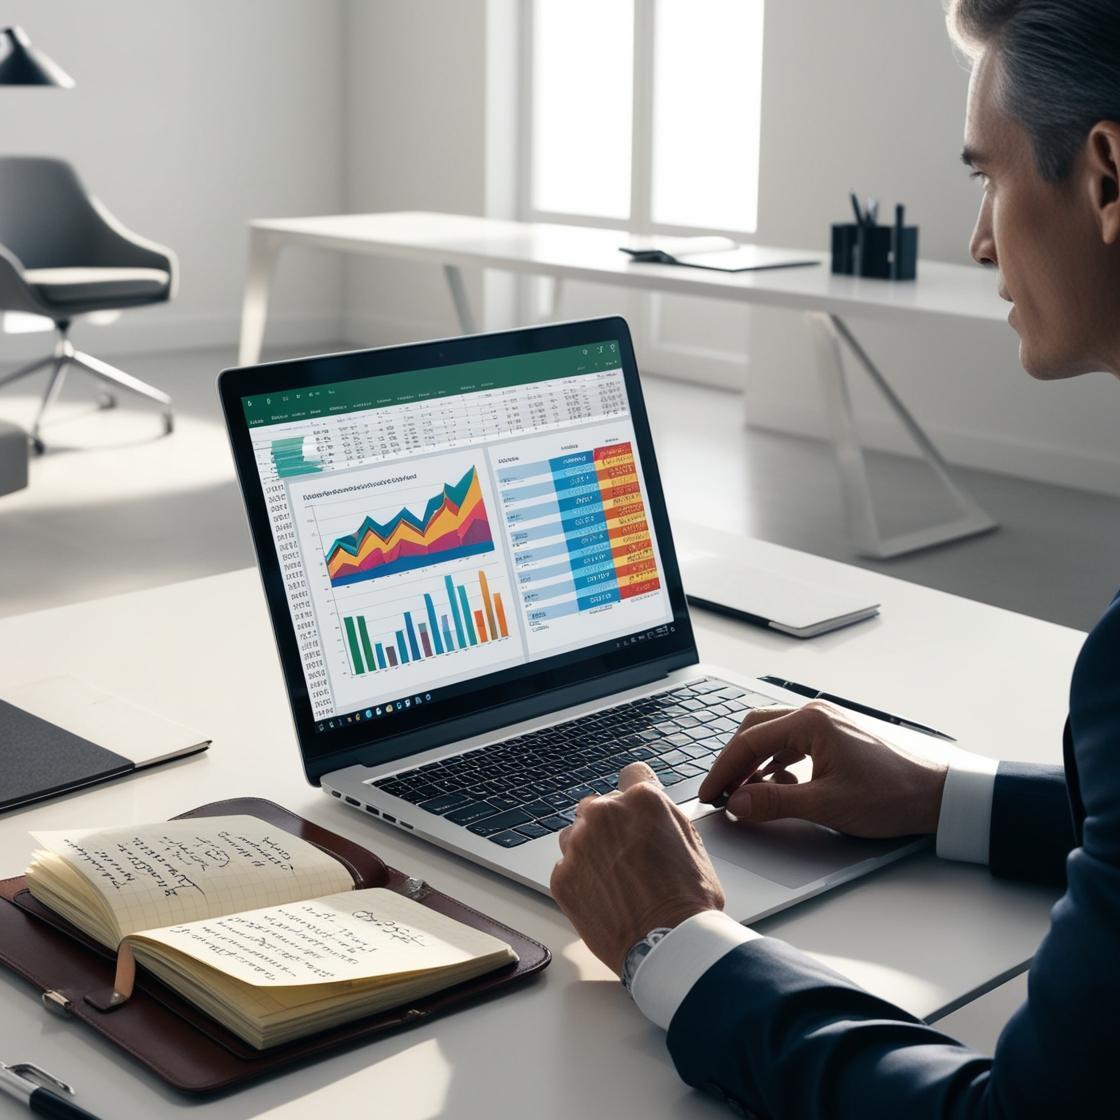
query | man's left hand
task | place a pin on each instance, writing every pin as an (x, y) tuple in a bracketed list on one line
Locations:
[(631, 862)]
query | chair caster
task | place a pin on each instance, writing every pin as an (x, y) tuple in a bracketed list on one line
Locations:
[(37, 445), (106, 401), (168, 423)]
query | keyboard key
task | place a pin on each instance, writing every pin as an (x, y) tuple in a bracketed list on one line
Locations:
[(578, 793), (677, 740), (539, 808), (670, 777), (554, 823), (471, 812), (686, 721), (697, 750), (533, 830), (605, 785), (508, 839), (499, 822), (690, 769), (558, 800), (504, 802), (418, 793), (673, 757), (444, 804)]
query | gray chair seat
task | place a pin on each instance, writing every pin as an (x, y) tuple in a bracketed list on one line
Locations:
[(66, 286)]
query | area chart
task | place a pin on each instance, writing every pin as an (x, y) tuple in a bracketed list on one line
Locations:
[(452, 525)]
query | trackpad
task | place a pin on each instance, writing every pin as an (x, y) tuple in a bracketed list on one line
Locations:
[(792, 853)]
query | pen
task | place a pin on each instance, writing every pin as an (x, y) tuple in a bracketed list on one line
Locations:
[(872, 211), (860, 219), (899, 224), (855, 706), (36, 1089)]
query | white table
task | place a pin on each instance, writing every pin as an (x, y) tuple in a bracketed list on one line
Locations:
[(928, 935), (564, 252)]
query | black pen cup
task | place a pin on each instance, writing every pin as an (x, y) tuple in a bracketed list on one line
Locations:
[(878, 252)]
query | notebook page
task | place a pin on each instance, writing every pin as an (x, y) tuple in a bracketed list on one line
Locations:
[(356, 935), (181, 871)]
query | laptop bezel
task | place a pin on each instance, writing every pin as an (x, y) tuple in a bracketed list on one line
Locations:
[(554, 683)]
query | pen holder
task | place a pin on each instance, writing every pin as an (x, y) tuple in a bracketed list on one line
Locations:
[(861, 250)]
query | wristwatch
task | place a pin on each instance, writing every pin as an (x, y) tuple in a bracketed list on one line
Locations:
[(638, 953)]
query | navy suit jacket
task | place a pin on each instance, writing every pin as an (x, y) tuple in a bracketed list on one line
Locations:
[(777, 1034)]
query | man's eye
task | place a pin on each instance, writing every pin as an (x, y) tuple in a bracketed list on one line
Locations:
[(979, 177)]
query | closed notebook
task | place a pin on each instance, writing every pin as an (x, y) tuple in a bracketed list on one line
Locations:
[(61, 734)]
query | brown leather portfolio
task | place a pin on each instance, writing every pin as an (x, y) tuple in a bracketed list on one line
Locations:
[(182, 1045)]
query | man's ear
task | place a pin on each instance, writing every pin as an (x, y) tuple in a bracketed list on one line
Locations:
[(1103, 150)]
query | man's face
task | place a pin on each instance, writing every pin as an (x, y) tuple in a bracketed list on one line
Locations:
[(1044, 239)]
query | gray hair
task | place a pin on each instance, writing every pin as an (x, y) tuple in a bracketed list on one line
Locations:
[(1059, 67)]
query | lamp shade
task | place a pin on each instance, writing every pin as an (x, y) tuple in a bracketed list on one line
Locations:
[(22, 65)]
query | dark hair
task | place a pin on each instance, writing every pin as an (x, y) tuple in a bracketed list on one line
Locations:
[(1059, 67)]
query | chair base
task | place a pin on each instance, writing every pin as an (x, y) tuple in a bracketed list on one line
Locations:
[(65, 355)]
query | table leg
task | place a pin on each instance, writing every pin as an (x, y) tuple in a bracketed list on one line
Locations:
[(459, 298), (263, 248), (555, 292), (830, 334)]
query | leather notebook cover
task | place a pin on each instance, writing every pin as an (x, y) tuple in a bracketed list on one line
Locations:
[(179, 1043)]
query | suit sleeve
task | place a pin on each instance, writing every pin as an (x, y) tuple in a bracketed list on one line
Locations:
[(780, 1035), (1032, 827)]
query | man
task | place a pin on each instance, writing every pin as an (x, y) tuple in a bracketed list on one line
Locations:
[(751, 1018)]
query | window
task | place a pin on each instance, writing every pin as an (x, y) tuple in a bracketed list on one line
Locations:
[(645, 114)]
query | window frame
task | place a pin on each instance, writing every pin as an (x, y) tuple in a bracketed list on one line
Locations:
[(640, 220)]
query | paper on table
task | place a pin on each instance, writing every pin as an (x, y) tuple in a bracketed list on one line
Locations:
[(180, 871), (355, 935)]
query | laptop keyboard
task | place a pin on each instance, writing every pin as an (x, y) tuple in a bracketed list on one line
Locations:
[(524, 788)]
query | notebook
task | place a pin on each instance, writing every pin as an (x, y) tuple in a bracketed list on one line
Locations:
[(77, 973), (720, 254), (61, 734), (263, 932)]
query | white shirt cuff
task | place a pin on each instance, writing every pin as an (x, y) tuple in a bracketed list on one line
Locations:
[(964, 826), (680, 958)]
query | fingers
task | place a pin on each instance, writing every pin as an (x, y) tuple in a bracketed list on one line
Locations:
[(772, 800), (762, 734), (635, 772)]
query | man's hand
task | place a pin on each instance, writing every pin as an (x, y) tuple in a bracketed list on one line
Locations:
[(631, 862), (860, 785)]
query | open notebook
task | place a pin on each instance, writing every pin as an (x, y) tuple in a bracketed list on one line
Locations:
[(260, 929)]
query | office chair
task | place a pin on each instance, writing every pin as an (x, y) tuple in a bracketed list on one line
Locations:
[(62, 254)]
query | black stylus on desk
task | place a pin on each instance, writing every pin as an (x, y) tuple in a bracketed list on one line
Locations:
[(41, 1092), (856, 706)]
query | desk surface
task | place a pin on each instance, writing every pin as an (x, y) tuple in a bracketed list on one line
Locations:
[(587, 253), (924, 933)]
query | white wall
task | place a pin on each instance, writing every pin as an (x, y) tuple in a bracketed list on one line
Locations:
[(187, 120), (416, 140), (890, 125), (866, 95)]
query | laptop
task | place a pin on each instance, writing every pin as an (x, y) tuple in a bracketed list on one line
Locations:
[(470, 573)]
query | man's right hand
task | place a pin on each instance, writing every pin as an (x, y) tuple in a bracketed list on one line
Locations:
[(860, 785)]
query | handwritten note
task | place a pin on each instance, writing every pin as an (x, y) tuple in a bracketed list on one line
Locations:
[(356, 935), (181, 871)]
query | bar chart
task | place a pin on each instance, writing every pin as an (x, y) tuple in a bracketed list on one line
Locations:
[(443, 620)]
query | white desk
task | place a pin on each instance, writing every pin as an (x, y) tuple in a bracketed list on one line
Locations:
[(564, 252), (924, 933)]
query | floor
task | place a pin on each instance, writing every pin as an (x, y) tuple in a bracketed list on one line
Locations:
[(132, 510)]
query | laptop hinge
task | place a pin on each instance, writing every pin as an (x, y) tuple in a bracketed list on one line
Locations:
[(502, 715)]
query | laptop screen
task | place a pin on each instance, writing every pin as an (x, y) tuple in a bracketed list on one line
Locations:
[(440, 530)]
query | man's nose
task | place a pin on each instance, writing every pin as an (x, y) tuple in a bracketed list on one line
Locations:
[(982, 247)]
